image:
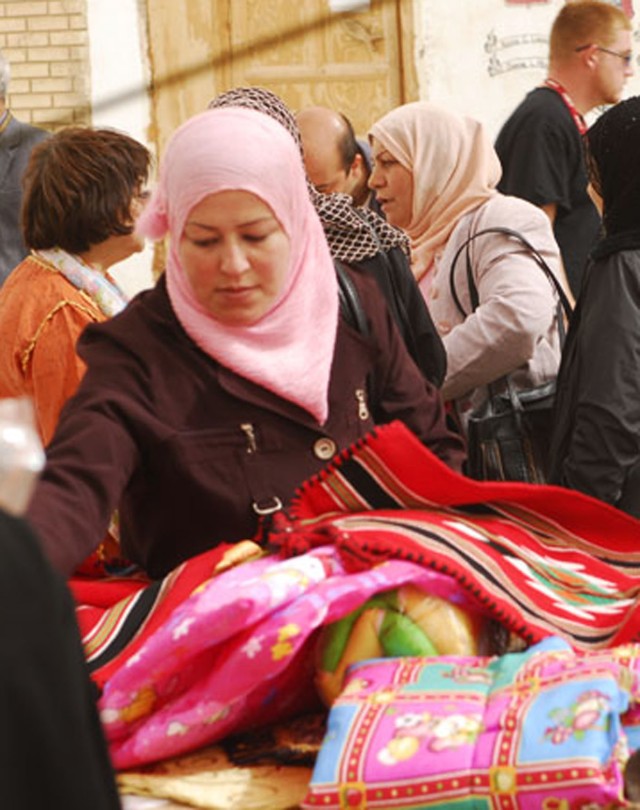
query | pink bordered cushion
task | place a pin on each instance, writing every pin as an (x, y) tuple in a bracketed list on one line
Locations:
[(537, 730)]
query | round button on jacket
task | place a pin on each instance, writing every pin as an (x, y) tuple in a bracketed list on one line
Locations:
[(325, 448)]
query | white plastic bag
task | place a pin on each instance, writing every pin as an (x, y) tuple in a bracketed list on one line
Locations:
[(21, 454)]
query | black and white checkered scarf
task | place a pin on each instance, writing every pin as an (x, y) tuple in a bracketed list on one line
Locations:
[(353, 233)]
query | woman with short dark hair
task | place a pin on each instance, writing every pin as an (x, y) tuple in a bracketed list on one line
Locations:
[(79, 187), (83, 190)]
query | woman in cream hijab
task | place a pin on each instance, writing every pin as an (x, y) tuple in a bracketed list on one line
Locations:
[(435, 175)]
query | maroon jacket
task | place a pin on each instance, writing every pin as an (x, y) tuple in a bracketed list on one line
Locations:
[(185, 447)]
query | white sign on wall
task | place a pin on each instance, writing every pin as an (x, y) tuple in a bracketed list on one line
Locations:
[(485, 67)]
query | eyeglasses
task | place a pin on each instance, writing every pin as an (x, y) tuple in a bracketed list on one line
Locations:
[(626, 57)]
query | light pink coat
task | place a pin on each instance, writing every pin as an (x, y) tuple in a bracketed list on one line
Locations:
[(514, 329)]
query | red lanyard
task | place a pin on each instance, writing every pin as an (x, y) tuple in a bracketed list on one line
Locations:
[(577, 118)]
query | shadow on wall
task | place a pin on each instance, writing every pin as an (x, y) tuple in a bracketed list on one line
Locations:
[(323, 20)]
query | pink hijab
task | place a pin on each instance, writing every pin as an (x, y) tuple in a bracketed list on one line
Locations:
[(454, 166), (289, 350)]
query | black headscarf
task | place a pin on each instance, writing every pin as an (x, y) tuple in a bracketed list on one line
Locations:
[(613, 161)]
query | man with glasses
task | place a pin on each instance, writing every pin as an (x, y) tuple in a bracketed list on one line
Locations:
[(540, 147)]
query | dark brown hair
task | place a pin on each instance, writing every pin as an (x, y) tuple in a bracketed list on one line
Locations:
[(78, 188), (347, 144)]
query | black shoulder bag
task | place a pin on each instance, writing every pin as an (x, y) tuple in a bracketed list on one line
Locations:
[(508, 435)]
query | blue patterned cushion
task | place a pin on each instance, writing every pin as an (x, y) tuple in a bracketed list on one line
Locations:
[(539, 729)]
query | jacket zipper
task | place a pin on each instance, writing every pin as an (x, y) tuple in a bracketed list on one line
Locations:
[(363, 410), (250, 435)]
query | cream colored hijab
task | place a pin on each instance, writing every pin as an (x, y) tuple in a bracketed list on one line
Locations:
[(454, 166)]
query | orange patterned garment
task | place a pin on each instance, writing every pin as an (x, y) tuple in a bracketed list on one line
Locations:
[(42, 315)]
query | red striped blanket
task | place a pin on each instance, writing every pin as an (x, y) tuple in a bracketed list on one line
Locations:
[(540, 559)]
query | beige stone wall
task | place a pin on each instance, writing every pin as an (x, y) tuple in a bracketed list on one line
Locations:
[(46, 42)]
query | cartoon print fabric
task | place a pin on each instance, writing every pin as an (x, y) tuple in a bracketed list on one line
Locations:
[(537, 729)]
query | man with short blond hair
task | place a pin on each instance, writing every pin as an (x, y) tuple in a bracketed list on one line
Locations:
[(540, 145)]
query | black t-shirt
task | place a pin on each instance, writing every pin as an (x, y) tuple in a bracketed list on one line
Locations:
[(542, 159)]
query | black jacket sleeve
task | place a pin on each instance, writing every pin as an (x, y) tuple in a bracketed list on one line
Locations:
[(596, 439), (393, 275)]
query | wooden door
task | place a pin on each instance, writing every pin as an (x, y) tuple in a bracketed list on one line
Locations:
[(360, 63)]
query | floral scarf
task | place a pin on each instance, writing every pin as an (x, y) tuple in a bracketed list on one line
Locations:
[(100, 287)]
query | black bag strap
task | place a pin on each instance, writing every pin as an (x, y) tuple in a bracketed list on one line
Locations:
[(563, 301), (350, 305), (353, 312), (563, 305)]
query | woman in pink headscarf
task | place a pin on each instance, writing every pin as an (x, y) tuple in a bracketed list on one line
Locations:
[(214, 395), (435, 176)]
